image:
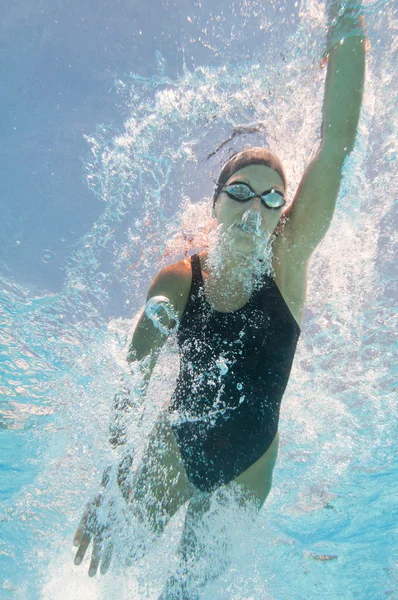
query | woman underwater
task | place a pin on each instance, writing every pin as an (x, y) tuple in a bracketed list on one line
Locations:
[(237, 310)]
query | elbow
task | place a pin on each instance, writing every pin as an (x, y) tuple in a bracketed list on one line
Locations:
[(346, 144), (338, 138), (132, 355), (145, 355), (135, 355), (338, 147)]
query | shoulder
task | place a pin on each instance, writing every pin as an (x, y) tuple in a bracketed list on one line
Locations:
[(174, 282), (290, 275)]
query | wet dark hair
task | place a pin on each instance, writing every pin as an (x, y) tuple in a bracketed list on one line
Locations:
[(244, 158)]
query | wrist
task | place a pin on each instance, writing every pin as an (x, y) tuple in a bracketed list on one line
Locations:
[(122, 477), (345, 19)]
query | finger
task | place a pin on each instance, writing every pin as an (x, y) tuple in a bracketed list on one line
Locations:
[(106, 558), (82, 548), (95, 557), (78, 535), (81, 529)]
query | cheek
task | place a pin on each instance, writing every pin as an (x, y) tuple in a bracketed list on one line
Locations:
[(277, 220), (277, 217), (270, 221), (225, 213)]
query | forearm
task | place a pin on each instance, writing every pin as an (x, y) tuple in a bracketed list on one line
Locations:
[(157, 321), (153, 328), (130, 398), (344, 20), (345, 76)]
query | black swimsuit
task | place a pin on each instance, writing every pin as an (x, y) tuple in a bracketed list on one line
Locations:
[(234, 371)]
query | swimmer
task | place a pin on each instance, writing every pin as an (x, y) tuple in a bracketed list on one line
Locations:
[(236, 309)]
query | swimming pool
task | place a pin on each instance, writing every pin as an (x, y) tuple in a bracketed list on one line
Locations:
[(328, 528)]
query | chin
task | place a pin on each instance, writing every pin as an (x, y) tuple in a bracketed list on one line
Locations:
[(245, 245)]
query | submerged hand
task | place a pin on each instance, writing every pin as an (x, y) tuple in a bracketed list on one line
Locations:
[(96, 525)]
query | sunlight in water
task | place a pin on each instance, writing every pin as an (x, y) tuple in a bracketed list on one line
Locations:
[(155, 178)]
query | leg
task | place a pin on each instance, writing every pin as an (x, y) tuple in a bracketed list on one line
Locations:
[(201, 554), (158, 488), (204, 551), (256, 481)]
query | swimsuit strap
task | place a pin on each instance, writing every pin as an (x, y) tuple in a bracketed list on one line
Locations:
[(197, 279)]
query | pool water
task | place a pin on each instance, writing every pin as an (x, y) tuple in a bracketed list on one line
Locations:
[(328, 528)]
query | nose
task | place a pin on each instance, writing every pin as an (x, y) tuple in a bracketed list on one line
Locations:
[(253, 211), (251, 220), (255, 204)]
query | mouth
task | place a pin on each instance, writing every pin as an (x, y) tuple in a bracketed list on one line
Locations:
[(248, 230), (251, 224)]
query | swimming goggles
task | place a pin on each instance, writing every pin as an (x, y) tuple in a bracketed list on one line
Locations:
[(242, 192)]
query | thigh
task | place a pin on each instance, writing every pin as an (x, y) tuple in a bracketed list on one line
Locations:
[(160, 484), (256, 481)]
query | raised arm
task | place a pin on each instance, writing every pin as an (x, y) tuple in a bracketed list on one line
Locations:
[(311, 212)]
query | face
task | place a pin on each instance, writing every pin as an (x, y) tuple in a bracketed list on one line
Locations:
[(248, 223)]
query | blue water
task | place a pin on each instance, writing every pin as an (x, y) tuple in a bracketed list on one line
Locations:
[(96, 203)]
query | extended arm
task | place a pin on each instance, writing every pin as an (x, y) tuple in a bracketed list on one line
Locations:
[(153, 328), (311, 212), (148, 339)]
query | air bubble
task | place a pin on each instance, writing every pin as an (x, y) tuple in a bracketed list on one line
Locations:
[(48, 256)]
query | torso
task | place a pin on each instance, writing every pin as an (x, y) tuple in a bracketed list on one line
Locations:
[(291, 280), (236, 355)]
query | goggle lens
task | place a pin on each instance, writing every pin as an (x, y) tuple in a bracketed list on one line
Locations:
[(243, 193)]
